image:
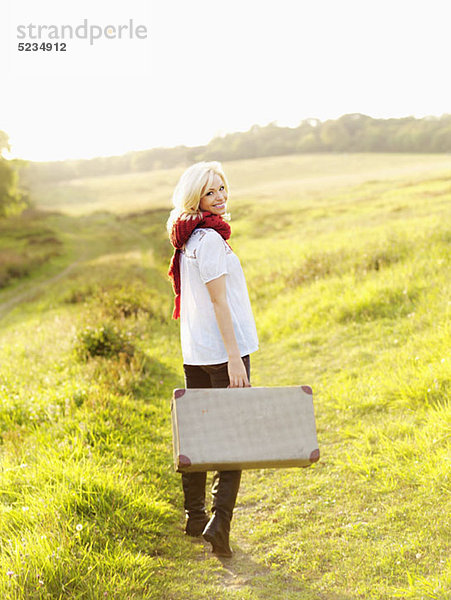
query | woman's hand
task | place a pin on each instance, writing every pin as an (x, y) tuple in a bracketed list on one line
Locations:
[(237, 373)]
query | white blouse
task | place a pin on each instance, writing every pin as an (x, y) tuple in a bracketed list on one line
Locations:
[(207, 256)]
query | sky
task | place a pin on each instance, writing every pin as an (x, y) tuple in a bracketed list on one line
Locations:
[(208, 67)]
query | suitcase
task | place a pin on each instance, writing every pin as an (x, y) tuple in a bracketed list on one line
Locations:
[(243, 428)]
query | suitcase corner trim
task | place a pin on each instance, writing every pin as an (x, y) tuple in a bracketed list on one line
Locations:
[(183, 462), (314, 455)]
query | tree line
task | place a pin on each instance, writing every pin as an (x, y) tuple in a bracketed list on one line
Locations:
[(350, 133), (12, 200)]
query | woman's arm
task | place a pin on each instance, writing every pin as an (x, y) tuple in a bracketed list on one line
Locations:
[(236, 369)]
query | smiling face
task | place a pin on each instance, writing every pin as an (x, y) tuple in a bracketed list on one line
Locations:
[(214, 199)]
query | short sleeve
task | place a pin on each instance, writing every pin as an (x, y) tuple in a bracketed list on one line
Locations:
[(211, 257)]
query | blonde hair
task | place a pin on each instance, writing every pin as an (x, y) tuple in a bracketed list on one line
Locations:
[(191, 187)]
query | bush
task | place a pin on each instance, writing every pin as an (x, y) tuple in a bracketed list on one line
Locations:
[(79, 294), (125, 302), (105, 340)]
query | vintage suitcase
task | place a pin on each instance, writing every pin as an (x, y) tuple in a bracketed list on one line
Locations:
[(243, 428)]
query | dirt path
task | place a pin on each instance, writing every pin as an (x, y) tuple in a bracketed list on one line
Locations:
[(245, 576), (30, 292)]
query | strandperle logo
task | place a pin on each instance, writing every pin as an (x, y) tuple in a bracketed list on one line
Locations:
[(84, 31)]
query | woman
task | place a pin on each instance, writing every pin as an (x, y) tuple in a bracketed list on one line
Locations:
[(217, 327)]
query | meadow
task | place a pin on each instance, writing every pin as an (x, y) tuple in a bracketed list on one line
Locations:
[(347, 263)]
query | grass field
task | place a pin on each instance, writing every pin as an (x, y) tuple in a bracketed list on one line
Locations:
[(347, 263)]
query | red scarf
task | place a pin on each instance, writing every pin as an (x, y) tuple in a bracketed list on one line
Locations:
[(181, 231)]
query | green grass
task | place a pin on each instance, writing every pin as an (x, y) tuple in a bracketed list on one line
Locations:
[(350, 289)]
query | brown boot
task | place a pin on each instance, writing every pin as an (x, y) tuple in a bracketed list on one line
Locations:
[(224, 490), (194, 491)]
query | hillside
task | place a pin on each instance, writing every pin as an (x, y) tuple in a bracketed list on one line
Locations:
[(347, 263)]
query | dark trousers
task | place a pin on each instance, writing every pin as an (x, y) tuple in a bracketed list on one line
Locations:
[(212, 376)]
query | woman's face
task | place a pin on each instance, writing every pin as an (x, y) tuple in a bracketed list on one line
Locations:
[(215, 198)]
